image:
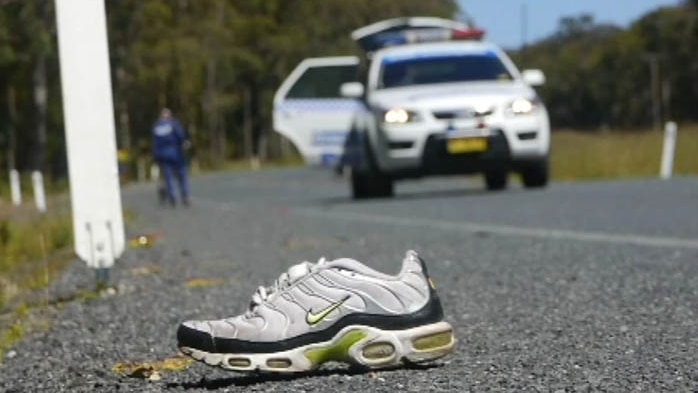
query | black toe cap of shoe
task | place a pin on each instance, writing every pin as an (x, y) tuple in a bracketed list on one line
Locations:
[(196, 339)]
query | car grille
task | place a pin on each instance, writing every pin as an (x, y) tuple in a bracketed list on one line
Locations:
[(466, 113)]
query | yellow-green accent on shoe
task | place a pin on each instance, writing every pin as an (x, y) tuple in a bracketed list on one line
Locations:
[(315, 318), (337, 352)]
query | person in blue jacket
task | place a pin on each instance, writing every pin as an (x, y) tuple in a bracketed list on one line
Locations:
[(169, 145)]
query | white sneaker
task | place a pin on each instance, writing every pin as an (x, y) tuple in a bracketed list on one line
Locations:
[(337, 310)]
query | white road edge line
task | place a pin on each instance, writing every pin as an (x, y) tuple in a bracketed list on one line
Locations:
[(505, 230)]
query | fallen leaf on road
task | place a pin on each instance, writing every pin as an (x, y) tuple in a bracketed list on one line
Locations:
[(203, 282), (143, 241), (152, 370), (134, 369), (145, 270), (177, 363)]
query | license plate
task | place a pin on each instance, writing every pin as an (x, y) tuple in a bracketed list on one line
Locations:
[(466, 145)]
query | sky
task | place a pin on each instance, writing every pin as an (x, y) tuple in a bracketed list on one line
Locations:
[(502, 19)]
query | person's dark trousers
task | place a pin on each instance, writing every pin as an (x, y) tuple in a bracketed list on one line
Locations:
[(173, 170)]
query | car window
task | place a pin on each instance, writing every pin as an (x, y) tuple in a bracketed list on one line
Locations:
[(323, 82), (444, 68)]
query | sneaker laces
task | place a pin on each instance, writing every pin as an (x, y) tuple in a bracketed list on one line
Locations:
[(286, 279)]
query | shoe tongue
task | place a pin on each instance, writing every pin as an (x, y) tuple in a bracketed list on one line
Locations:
[(297, 272)]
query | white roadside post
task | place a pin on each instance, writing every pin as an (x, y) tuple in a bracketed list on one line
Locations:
[(154, 172), (39, 191), (15, 187), (668, 150), (90, 136)]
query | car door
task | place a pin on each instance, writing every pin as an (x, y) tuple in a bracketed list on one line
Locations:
[(311, 113)]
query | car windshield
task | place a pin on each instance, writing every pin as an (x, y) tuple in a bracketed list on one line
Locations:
[(437, 68)]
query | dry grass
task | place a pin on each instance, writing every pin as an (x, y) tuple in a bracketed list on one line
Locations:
[(609, 155), (33, 247)]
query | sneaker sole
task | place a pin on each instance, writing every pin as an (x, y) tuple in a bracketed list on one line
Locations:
[(357, 345)]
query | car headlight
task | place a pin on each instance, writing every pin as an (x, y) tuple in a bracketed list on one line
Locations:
[(399, 116), (522, 106)]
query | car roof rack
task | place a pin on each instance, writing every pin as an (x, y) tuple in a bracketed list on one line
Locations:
[(402, 31)]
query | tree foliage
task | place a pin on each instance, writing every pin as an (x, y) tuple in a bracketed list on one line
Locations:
[(601, 76)]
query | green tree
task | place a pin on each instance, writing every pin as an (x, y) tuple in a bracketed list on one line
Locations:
[(602, 75)]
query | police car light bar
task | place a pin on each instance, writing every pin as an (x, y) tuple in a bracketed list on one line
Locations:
[(470, 34), (401, 31)]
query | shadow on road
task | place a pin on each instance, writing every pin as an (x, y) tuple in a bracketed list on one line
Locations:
[(260, 378)]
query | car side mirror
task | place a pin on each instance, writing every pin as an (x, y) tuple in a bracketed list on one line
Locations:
[(533, 77), (352, 90)]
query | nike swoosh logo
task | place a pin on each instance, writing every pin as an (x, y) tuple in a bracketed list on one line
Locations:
[(315, 318)]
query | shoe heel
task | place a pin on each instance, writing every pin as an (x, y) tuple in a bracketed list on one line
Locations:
[(430, 343), (384, 348)]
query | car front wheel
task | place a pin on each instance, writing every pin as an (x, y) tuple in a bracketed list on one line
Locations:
[(536, 175), (496, 180), (371, 185)]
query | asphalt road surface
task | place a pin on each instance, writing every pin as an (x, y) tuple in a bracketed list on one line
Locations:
[(578, 287)]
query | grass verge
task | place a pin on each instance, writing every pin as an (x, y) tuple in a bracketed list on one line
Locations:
[(34, 249), (31, 252), (610, 155), (250, 164)]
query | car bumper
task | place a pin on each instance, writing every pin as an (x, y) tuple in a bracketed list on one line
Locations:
[(504, 151)]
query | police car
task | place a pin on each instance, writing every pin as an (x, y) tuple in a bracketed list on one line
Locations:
[(428, 98)]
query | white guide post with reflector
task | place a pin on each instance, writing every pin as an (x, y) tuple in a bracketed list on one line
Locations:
[(670, 131), (90, 137)]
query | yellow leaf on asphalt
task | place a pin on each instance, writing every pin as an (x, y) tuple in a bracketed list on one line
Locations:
[(177, 363), (152, 370), (145, 270), (143, 241), (203, 282), (134, 369)]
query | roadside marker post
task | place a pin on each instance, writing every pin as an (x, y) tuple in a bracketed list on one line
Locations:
[(15, 187), (90, 136), (668, 150), (39, 191)]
